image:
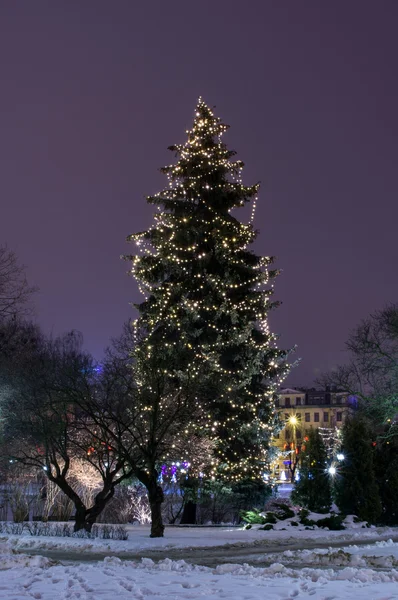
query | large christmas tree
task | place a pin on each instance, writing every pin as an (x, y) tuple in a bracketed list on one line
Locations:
[(207, 300)]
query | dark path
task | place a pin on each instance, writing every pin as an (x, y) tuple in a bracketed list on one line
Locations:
[(254, 554)]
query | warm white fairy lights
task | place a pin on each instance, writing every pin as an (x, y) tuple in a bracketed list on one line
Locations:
[(209, 295)]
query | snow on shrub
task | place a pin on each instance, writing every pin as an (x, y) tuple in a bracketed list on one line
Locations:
[(38, 528)]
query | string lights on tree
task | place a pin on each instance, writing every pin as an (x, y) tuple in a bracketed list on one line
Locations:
[(207, 298)]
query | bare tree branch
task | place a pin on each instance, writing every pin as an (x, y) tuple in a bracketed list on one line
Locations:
[(15, 292)]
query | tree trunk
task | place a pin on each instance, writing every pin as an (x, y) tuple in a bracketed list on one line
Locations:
[(80, 519), (101, 500), (86, 517), (189, 514), (156, 497)]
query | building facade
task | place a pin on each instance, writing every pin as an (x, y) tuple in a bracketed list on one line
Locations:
[(300, 410)]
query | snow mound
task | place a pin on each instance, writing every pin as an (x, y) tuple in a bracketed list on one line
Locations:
[(9, 559)]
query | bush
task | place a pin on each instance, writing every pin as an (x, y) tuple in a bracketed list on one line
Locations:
[(253, 517), (334, 522), (267, 527), (303, 517), (219, 502), (38, 528), (283, 511), (270, 517)]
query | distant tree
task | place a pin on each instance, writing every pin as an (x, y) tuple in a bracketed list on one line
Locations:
[(386, 473), (313, 489), (43, 387), (356, 490), (15, 292), (371, 374)]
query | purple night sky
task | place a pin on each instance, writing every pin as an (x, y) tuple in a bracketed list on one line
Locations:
[(93, 92)]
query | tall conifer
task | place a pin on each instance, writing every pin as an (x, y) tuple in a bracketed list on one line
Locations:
[(207, 300)]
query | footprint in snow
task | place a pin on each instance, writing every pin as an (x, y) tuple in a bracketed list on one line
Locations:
[(188, 586), (127, 586)]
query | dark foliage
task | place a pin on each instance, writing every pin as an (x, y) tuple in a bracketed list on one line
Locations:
[(356, 489), (313, 490)]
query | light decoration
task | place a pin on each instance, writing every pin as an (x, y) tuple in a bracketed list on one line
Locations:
[(207, 298), (331, 437), (292, 424)]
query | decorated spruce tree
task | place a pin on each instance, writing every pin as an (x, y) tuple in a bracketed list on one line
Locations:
[(207, 300)]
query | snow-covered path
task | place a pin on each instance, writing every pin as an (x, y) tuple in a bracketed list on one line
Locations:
[(354, 569), (254, 553), (171, 580), (140, 544)]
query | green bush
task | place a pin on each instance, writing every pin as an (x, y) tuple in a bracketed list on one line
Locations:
[(334, 522), (267, 527), (303, 517), (282, 511), (270, 517), (253, 517)]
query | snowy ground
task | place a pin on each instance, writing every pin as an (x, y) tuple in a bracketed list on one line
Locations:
[(352, 571), (200, 537), (23, 577)]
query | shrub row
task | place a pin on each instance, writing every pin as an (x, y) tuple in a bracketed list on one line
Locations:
[(103, 532)]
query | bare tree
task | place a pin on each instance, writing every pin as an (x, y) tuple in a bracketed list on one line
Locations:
[(372, 371), (149, 425), (60, 411), (45, 429), (15, 292)]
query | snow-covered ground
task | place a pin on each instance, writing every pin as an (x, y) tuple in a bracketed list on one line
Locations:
[(379, 555), (192, 537), (23, 577)]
